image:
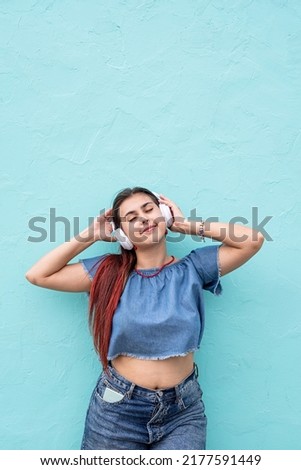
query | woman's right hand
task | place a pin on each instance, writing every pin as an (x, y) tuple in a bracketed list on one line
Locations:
[(101, 229), (52, 271)]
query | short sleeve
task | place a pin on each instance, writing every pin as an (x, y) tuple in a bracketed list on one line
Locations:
[(91, 265), (206, 262)]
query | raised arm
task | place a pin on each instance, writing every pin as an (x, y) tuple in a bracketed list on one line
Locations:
[(52, 271), (239, 243)]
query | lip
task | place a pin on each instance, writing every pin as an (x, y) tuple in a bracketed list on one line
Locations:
[(149, 229)]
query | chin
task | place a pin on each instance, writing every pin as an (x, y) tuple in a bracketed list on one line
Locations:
[(155, 240)]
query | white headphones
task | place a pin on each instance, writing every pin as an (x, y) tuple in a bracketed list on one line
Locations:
[(125, 242)]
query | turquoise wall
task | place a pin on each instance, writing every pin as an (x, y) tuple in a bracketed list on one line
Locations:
[(199, 100)]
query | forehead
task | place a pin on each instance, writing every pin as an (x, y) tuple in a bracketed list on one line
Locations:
[(133, 203)]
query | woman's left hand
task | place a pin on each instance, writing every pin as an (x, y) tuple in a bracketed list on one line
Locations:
[(179, 220)]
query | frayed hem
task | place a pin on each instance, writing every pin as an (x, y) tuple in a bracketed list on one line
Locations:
[(218, 289), (152, 358)]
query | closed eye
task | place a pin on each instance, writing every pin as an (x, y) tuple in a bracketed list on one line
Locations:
[(134, 218)]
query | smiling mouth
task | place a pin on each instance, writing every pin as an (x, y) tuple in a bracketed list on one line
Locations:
[(149, 229)]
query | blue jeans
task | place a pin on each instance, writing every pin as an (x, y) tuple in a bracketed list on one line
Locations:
[(141, 418)]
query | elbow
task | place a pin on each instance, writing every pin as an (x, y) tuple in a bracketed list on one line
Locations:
[(31, 278), (35, 280), (257, 240)]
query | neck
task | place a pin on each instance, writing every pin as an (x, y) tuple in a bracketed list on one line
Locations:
[(153, 257)]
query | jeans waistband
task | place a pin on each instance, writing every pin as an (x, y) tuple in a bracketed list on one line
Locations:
[(129, 386)]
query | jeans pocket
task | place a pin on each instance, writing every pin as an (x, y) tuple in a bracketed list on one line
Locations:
[(110, 395)]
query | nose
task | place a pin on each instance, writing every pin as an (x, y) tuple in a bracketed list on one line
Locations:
[(144, 221), (142, 217)]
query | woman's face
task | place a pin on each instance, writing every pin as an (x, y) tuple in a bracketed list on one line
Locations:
[(142, 220)]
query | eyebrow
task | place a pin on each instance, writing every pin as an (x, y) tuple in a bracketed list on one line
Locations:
[(143, 205)]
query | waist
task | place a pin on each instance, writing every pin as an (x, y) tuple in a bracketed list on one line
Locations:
[(154, 374), (168, 393)]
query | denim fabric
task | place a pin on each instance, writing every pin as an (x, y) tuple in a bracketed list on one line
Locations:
[(145, 419), (163, 316)]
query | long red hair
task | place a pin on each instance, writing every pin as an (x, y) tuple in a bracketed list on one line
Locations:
[(109, 281)]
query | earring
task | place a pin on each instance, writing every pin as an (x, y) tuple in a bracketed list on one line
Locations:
[(135, 248)]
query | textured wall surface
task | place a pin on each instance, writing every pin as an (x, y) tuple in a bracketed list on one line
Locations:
[(199, 100)]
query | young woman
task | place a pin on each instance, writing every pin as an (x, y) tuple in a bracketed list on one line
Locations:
[(146, 313)]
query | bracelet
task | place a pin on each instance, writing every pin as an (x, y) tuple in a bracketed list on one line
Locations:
[(201, 230)]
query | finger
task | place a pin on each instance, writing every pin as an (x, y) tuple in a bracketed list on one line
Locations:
[(108, 212), (166, 199), (111, 238), (167, 202)]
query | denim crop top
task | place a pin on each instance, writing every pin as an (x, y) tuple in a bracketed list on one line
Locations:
[(163, 316)]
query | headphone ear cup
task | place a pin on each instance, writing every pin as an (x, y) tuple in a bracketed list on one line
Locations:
[(165, 210), (124, 241)]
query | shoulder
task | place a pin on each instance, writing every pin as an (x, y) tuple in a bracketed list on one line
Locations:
[(91, 265), (205, 254), (206, 262)]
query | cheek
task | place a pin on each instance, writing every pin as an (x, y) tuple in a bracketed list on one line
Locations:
[(159, 219), (162, 225), (132, 228)]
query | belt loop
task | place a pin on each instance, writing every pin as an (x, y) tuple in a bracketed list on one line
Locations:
[(178, 393), (196, 369), (129, 393), (107, 371)]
